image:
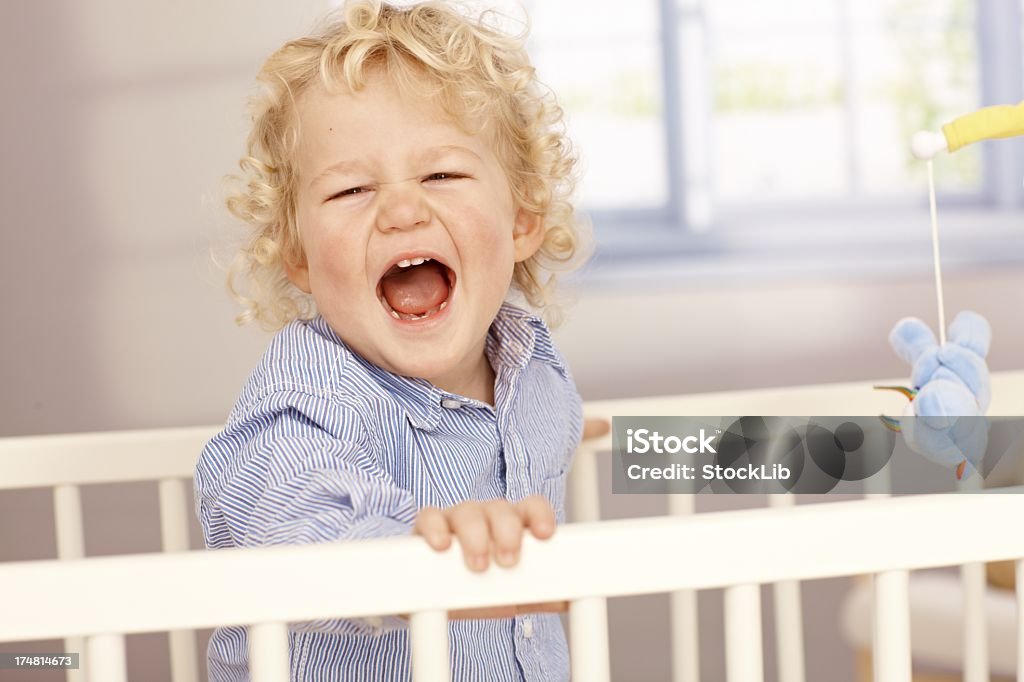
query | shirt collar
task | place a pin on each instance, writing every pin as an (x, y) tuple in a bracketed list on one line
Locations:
[(514, 339)]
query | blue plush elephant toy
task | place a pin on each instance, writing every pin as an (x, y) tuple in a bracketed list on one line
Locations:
[(951, 390)]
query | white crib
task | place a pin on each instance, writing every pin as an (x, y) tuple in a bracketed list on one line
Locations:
[(94, 602)]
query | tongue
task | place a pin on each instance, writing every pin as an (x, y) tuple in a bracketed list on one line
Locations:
[(415, 290)]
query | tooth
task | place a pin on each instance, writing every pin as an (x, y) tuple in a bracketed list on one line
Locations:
[(417, 261), (404, 263), (395, 315), (427, 259), (441, 307)]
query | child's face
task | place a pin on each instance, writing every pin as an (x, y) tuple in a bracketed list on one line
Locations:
[(385, 178)]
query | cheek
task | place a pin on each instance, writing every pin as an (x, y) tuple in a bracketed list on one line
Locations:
[(489, 233), (334, 269)]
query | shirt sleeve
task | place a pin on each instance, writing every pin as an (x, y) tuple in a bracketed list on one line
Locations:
[(287, 481)]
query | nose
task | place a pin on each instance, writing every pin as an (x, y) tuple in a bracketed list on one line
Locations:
[(401, 206)]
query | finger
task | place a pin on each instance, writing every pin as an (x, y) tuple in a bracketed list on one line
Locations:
[(506, 525), (538, 516), (433, 526), (595, 427), (469, 523)]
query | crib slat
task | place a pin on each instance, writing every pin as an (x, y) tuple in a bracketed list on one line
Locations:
[(972, 576), (67, 515), (584, 486), (789, 631), (683, 604), (67, 507), (75, 645), (268, 652), (892, 626), (743, 651), (184, 656), (589, 628), (789, 622), (428, 634), (105, 658), (174, 513), (588, 639), (685, 648), (976, 667)]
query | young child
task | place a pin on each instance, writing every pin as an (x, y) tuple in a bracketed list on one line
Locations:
[(404, 171)]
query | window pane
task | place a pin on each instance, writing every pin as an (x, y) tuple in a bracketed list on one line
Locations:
[(819, 102), (605, 68), (916, 69), (777, 101)]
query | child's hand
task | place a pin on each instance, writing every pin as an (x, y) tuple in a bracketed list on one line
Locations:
[(493, 528), (595, 427), (490, 529)]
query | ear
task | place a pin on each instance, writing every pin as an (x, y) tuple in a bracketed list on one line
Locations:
[(972, 331), (910, 338), (298, 274), (527, 235)]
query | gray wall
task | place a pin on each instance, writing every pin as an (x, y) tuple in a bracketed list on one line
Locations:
[(117, 121)]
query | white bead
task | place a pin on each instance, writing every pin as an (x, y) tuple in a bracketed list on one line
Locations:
[(926, 144)]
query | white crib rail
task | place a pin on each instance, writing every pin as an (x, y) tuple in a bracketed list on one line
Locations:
[(189, 590), (65, 462), (856, 398), (101, 457)]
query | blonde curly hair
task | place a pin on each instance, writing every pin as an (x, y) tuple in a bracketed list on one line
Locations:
[(476, 72)]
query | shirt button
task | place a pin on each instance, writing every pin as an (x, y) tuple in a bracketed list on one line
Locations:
[(527, 628), (451, 404)]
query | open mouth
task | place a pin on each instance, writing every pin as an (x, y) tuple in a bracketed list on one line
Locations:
[(416, 288)]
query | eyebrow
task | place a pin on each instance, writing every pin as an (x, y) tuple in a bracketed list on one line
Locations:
[(352, 166)]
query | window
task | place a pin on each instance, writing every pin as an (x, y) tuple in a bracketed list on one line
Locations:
[(727, 126)]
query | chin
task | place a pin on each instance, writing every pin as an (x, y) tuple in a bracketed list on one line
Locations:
[(429, 368)]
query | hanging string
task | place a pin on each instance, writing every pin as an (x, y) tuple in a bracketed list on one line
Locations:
[(935, 254)]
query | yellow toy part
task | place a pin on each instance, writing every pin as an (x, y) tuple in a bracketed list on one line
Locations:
[(984, 124)]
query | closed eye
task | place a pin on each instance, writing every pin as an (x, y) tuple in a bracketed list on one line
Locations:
[(442, 176), (351, 191)]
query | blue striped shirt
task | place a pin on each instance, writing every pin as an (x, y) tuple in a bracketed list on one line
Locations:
[(323, 445)]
